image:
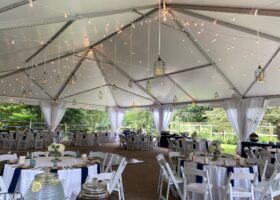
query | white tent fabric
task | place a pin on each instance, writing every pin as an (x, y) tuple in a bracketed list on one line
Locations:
[(116, 116), (53, 112), (56, 37), (245, 115), (162, 116)]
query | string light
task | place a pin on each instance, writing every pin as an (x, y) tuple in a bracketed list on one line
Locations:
[(73, 80), (100, 95), (65, 15), (44, 78), (148, 86), (175, 99)]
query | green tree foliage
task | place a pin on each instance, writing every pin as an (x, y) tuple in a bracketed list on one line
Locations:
[(139, 119), (191, 113), (86, 119), (272, 116), (218, 117)]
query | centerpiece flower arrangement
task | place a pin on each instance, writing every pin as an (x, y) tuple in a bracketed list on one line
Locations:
[(217, 151), (56, 150)]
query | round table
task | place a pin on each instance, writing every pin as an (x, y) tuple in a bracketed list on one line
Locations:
[(70, 177), (218, 173)]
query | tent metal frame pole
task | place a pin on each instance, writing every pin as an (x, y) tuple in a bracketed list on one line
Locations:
[(180, 87), (127, 76), (264, 68), (105, 78), (78, 65), (84, 91), (14, 5), (176, 72), (228, 25), (80, 16), (132, 93), (69, 53), (61, 30), (226, 9), (205, 54), (38, 85)]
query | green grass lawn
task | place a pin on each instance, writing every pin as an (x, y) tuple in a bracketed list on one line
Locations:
[(228, 148)]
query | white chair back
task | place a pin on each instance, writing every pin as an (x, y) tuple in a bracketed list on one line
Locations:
[(117, 176), (38, 154), (70, 153)]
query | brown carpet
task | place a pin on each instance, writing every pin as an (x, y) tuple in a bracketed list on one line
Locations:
[(140, 179)]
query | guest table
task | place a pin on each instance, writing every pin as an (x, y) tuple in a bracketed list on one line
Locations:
[(218, 172), (69, 170)]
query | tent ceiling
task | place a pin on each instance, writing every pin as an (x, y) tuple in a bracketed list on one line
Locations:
[(202, 58)]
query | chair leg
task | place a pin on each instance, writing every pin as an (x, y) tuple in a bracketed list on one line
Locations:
[(160, 192), (167, 192), (159, 181)]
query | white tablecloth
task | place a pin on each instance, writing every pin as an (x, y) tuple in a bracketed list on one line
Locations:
[(70, 178), (218, 174), (8, 157)]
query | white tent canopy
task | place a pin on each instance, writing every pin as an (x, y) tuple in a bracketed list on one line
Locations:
[(210, 49)]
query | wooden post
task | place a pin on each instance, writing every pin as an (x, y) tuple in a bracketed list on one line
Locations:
[(30, 124)]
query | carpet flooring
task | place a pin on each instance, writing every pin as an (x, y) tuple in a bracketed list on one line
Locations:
[(140, 176)]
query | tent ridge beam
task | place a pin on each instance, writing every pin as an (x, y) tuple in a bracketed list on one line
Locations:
[(127, 76), (177, 72), (84, 91), (226, 9), (264, 68), (205, 54), (14, 5), (182, 89), (38, 85), (78, 65), (61, 30), (228, 25), (105, 78), (80, 16)]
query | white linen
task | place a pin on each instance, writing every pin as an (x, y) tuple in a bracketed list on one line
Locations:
[(218, 174), (70, 178), (53, 113), (245, 115), (162, 116), (116, 116), (4, 157)]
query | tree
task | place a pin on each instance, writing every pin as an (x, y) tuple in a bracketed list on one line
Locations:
[(272, 116), (218, 117), (191, 113)]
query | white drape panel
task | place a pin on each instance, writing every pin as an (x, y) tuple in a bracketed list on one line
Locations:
[(245, 116), (162, 116), (116, 116), (53, 112)]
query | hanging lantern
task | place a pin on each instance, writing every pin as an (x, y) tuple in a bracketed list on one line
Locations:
[(175, 99), (100, 95), (57, 79), (130, 83), (44, 78), (159, 67), (149, 86), (216, 95), (24, 93), (30, 93), (73, 80), (260, 74)]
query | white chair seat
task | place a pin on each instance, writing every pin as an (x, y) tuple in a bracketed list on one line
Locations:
[(197, 187), (178, 179)]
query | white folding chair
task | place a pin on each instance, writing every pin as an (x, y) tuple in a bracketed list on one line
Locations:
[(114, 179), (249, 153), (22, 141), (262, 165), (160, 158), (229, 192), (171, 180), (130, 142), (203, 188), (101, 156), (84, 140), (145, 143), (173, 159), (39, 141), (269, 189)]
